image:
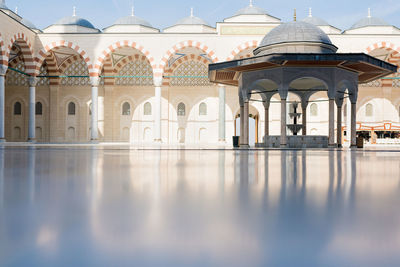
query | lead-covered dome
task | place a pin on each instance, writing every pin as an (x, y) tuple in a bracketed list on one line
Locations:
[(132, 20), (191, 20), (75, 20), (3, 5), (369, 21), (295, 37), (251, 10)]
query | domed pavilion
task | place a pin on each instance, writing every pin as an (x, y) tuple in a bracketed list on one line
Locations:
[(298, 57)]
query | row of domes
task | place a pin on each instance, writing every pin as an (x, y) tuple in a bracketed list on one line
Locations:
[(193, 20)]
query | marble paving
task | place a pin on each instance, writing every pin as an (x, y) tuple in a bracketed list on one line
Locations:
[(114, 206)]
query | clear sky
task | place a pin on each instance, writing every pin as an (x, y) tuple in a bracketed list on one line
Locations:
[(164, 13)]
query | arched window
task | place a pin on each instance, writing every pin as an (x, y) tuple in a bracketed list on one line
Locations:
[(126, 109), (369, 110), (314, 109), (38, 108), (203, 109), (147, 109), (71, 108), (181, 109), (17, 108)]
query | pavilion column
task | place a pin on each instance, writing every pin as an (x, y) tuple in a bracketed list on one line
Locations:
[(331, 122), (241, 123), (339, 126), (353, 124), (266, 112), (95, 81), (32, 81), (157, 111), (245, 122), (304, 119), (221, 113), (3, 71), (283, 123)]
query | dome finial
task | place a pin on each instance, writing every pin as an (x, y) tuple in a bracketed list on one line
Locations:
[(310, 12), (369, 12), (191, 12), (74, 11), (251, 3), (294, 16), (16, 10), (133, 11)]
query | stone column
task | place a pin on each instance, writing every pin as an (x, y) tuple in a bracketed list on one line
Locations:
[(331, 122), (241, 140), (245, 120), (283, 123), (339, 126), (221, 113), (266, 112), (95, 81), (54, 111), (353, 125), (304, 120), (157, 110), (3, 71), (32, 81)]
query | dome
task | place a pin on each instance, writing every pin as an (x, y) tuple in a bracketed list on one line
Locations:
[(296, 37), (3, 5), (316, 21), (74, 20), (191, 20), (28, 24), (369, 21), (251, 10), (132, 20)]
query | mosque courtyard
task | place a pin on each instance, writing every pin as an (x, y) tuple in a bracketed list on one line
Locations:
[(116, 205)]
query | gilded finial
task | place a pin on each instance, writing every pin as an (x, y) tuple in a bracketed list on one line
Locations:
[(295, 16)]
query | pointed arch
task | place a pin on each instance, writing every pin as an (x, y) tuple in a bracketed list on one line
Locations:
[(42, 54), (3, 58), (120, 44), (185, 44), (241, 48), (26, 50)]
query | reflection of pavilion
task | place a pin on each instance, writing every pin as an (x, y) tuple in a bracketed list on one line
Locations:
[(299, 58)]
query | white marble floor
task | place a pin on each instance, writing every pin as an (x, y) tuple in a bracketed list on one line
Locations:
[(114, 206)]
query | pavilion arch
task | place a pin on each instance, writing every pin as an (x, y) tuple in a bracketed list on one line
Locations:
[(241, 48), (61, 45), (182, 45), (98, 66)]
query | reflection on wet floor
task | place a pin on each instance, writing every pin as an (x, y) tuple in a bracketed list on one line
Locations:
[(110, 207)]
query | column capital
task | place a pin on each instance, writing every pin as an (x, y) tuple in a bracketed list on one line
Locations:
[(221, 85), (3, 70), (33, 81), (95, 81)]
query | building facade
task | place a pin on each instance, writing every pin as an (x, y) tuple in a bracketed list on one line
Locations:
[(134, 83)]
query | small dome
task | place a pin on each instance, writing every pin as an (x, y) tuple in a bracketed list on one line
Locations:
[(316, 21), (28, 24), (192, 20), (251, 10), (3, 5), (74, 20), (369, 21), (296, 36), (132, 20)]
